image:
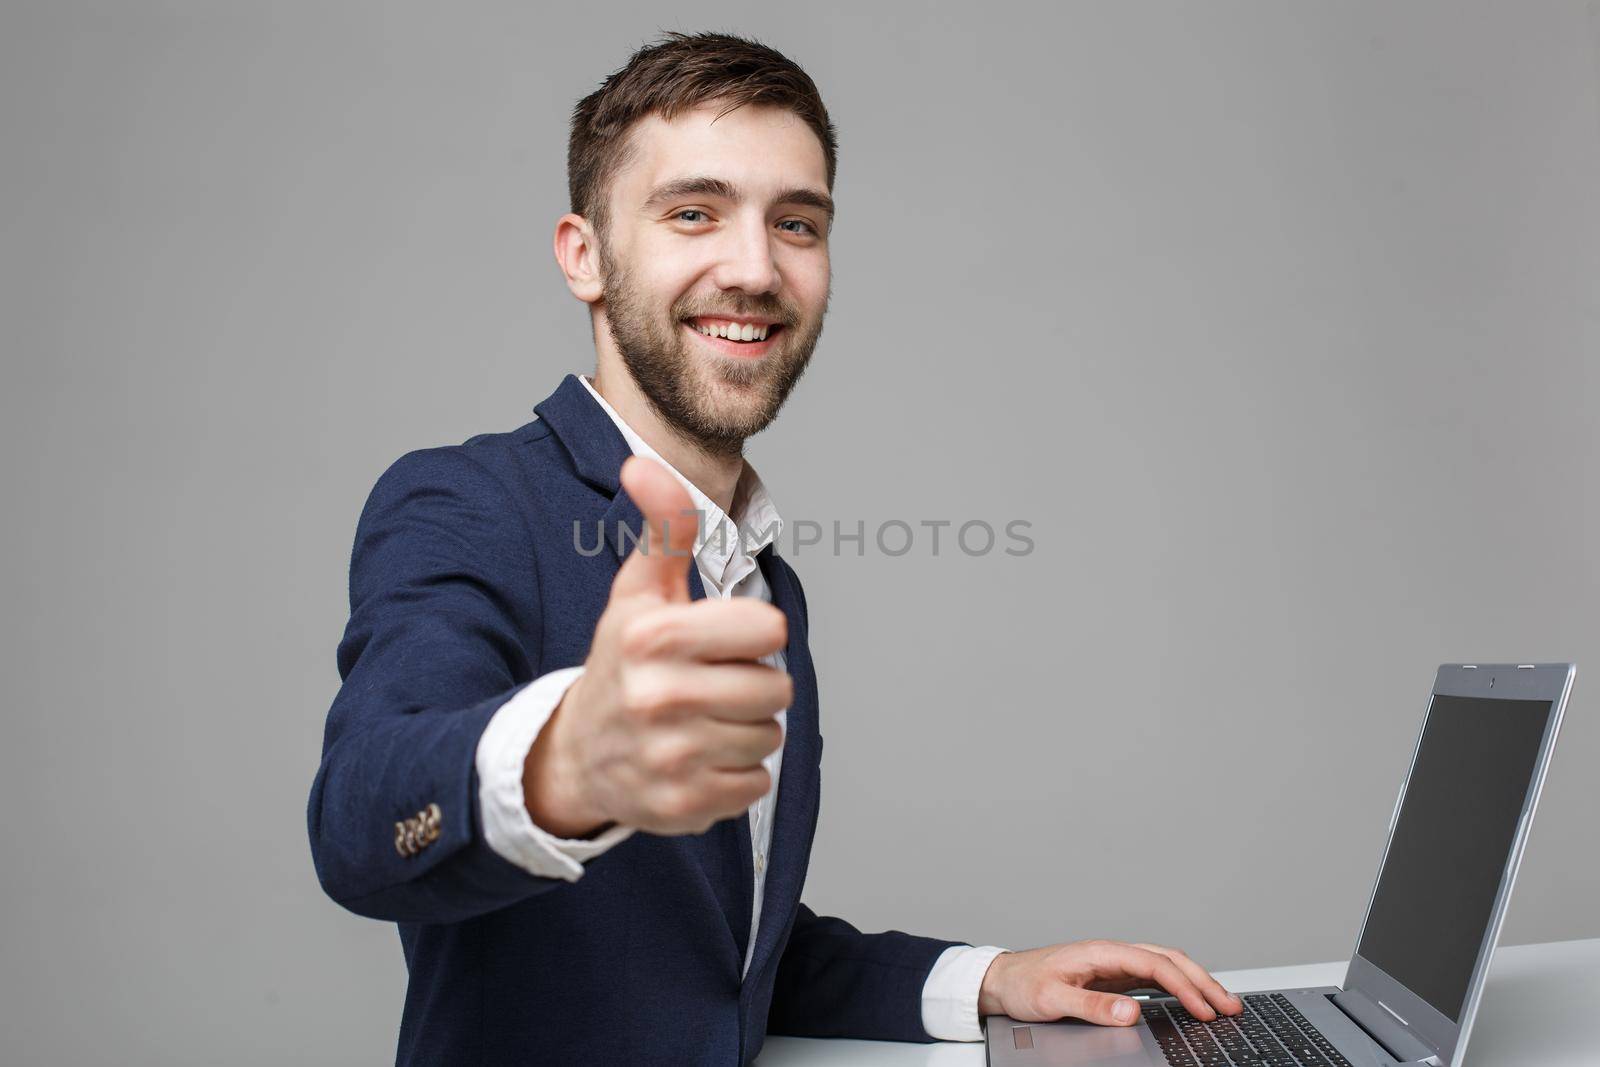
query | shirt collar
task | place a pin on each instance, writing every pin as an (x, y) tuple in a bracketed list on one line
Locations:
[(755, 522)]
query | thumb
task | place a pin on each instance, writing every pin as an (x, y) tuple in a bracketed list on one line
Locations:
[(1106, 1009), (659, 564)]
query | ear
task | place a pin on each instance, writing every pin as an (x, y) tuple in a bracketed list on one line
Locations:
[(577, 257)]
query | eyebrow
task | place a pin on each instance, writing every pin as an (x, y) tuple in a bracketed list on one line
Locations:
[(704, 185)]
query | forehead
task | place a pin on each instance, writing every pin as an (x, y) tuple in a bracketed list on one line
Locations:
[(758, 147)]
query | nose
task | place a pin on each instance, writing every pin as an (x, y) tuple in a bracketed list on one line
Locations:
[(746, 259)]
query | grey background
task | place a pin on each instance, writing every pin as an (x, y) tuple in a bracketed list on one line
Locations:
[(1277, 321)]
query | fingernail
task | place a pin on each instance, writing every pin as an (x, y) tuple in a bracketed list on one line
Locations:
[(1124, 1011)]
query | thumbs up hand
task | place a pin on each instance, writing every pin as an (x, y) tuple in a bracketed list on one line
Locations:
[(666, 728)]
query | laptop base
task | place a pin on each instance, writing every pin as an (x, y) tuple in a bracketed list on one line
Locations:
[(1074, 1043)]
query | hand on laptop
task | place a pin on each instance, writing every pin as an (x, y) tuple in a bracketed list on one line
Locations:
[(1082, 980)]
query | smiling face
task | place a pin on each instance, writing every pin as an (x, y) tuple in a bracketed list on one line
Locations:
[(717, 229)]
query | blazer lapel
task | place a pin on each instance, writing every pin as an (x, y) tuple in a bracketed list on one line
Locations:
[(799, 780), (592, 440)]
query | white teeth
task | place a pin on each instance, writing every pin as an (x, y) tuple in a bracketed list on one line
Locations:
[(734, 332)]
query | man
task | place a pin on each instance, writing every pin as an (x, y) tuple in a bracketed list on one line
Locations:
[(580, 773)]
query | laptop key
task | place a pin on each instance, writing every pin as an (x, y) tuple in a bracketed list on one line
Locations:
[(1269, 1033), (1172, 1046)]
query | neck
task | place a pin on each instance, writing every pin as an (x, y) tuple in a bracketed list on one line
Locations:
[(714, 474)]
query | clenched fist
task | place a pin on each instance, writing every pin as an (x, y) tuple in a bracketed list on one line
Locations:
[(666, 728)]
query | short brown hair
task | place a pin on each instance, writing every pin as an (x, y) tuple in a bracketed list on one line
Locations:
[(678, 73)]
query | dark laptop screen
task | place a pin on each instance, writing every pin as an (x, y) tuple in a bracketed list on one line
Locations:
[(1451, 842)]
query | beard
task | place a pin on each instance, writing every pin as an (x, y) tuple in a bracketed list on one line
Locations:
[(714, 402)]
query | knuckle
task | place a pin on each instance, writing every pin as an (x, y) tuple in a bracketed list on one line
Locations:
[(678, 804), (646, 636), (669, 756), (648, 694), (635, 692)]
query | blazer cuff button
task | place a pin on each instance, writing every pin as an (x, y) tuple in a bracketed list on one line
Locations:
[(418, 832)]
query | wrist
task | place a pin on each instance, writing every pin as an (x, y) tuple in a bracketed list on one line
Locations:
[(551, 783), (990, 1001)]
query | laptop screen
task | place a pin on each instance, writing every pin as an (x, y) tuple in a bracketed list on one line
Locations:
[(1435, 895)]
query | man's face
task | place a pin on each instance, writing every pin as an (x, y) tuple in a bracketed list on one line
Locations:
[(745, 246)]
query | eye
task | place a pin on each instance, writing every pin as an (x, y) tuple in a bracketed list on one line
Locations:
[(808, 227), (689, 211)]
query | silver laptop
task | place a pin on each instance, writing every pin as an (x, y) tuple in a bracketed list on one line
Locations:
[(1411, 992)]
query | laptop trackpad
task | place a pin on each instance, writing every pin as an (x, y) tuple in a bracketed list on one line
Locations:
[(1076, 1042)]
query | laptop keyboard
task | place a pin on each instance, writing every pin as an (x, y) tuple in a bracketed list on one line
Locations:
[(1268, 1033)]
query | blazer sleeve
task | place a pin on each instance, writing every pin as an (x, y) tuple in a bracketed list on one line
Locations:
[(444, 628), (835, 981)]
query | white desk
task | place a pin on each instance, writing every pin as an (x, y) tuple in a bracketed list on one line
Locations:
[(1537, 1009)]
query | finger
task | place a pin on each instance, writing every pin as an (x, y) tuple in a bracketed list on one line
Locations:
[(1121, 985), (741, 692), (710, 630), (659, 564), (734, 691), (734, 791), (1115, 957), (738, 746), (1209, 987), (693, 806), (1105, 1009)]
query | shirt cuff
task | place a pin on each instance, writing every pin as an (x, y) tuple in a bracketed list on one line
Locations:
[(501, 753), (950, 993)]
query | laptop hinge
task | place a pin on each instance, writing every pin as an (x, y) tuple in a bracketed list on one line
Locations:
[(1381, 1024)]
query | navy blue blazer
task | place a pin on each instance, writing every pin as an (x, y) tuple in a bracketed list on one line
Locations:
[(468, 581)]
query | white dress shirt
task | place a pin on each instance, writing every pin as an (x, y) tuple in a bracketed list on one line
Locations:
[(728, 567)]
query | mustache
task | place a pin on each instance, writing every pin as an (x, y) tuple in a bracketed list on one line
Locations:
[(779, 314)]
